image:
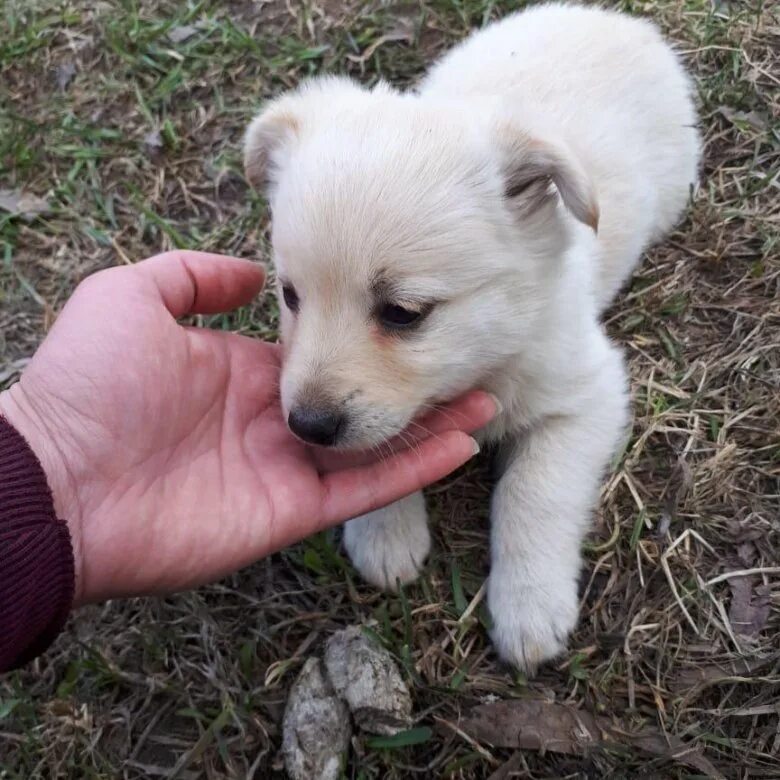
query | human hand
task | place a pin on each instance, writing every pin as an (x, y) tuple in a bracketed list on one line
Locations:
[(165, 446)]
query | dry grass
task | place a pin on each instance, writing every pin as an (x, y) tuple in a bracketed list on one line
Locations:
[(132, 137)]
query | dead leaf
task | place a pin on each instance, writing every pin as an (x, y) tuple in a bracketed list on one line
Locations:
[(23, 204), (531, 724), (691, 677), (64, 74), (749, 608), (508, 769), (741, 118), (673, 749), (677, 489), (183, 32), (746, 554), (743, 533)]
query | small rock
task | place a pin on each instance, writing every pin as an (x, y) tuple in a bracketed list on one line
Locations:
[(365, 675), (183, 32), (64, 73), (317, 728), (153, 144)]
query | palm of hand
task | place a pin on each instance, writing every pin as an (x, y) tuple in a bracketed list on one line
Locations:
[(166, 411)]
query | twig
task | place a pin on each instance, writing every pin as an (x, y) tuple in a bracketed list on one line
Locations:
[(743, 573)]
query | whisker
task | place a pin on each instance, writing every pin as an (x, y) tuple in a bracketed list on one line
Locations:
[(429, 434), (411, 442)]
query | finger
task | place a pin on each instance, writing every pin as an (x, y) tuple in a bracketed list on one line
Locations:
[(468, 413), (355, 491), (201, 282)]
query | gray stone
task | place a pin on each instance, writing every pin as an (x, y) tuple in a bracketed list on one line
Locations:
[(316, 729), (365, 675)]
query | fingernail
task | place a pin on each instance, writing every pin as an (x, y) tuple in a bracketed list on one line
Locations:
[(474, 447), (499, 405)]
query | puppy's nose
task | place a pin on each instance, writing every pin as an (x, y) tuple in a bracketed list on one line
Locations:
[(315, 425)]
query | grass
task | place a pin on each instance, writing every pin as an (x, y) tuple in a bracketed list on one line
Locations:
[(126, 117)]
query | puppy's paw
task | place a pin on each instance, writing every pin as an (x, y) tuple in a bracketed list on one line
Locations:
[(531, 622), (391, 544)]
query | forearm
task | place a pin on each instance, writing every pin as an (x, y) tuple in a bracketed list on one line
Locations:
[(36, 556)]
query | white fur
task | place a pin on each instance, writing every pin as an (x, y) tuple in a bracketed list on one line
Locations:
[(413, 186), (390, 544)]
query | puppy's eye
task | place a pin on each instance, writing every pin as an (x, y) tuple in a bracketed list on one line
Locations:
[(397, 317), (290, 297)]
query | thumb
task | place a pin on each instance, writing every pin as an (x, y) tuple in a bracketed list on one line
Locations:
[(201, 282)]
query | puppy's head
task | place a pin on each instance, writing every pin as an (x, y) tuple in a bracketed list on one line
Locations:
[(413, 245)]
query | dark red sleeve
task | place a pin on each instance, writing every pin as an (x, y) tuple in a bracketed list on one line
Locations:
[(36, 556)]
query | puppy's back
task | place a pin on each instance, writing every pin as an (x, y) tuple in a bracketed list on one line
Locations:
[(613, 89)]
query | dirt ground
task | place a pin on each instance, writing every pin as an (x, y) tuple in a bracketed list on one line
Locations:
[(120, 130)]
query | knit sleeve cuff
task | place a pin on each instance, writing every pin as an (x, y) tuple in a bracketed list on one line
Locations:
[(36, 556)]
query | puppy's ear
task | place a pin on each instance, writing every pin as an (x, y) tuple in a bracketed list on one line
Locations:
[(281, 124), (531, 166), (269, 133)]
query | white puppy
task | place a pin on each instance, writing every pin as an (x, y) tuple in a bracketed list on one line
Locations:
[(469, 235)]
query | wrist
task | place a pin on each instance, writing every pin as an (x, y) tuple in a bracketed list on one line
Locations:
[(49, 444)]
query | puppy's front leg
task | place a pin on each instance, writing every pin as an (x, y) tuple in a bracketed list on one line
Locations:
[(390, 544), (540, 514)]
